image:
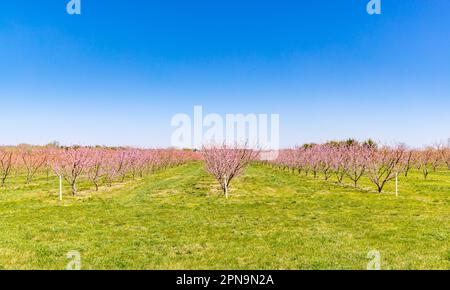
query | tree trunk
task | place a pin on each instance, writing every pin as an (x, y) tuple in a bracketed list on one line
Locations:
[(226, 191), (225, 187), (74, 189)]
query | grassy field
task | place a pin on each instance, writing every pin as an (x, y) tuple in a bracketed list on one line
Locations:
[(274, 220)]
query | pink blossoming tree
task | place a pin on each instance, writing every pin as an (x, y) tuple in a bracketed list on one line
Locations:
[(70, 163), (225, 163)]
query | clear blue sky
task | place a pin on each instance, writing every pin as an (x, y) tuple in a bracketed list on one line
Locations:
[(116, 74)]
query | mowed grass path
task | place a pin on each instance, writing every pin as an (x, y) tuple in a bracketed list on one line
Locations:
[(274, 220)]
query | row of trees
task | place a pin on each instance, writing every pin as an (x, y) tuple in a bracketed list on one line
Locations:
[(99, 165), (103, 166), (355, 160)]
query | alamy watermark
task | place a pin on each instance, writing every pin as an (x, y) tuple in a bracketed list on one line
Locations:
[(74, 7), (75, 260), (256, 131), (374, 7), (375, 260)]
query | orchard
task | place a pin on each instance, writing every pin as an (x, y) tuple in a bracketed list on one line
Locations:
[(343, 162), (99, 165), (352, 160)]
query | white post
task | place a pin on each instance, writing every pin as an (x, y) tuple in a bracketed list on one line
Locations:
[(60, 187), (396, 184)]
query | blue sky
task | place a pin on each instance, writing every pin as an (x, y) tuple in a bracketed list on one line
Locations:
[(116, 74)]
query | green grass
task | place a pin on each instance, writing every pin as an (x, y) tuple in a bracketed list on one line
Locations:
[(176, 219)]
